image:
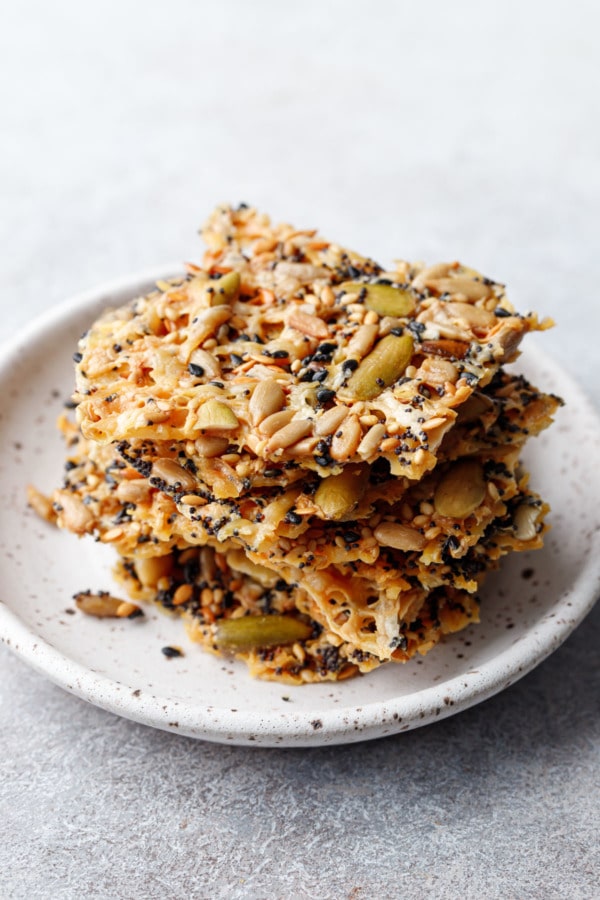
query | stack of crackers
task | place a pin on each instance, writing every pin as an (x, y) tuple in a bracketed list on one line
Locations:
[(312, 459)]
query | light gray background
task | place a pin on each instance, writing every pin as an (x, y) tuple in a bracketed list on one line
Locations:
[(425, 130)]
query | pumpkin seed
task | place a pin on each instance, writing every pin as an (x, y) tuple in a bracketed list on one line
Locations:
[(226, 289), (214, 415), (338, 495), (384, 299), (461, 490), (382, 367), (250, 632)]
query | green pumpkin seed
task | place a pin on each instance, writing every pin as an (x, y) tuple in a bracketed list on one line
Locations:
[(381, 368), (250, 632), (461, 490), (214, 415), (383, 299), (226, 289), (338, 495)]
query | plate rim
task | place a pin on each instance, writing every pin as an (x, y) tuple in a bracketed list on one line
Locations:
[(292, 728)]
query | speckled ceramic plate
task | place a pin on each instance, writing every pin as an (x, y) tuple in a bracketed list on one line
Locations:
[(528, 608)]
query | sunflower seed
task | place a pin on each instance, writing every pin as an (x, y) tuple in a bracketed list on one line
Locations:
[(267, 398)]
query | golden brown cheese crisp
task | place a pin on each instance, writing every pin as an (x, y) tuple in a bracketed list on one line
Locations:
[(314, 460), (280, 354)]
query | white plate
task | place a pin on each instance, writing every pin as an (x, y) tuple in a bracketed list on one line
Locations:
[(528, 608)]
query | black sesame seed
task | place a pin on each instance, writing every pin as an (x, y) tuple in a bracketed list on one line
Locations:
[(77, 357), (280, 354), (196, 371), (324, 352), (350, 365), (236, 359), (170, 652), (417, 328), (324, 395)]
